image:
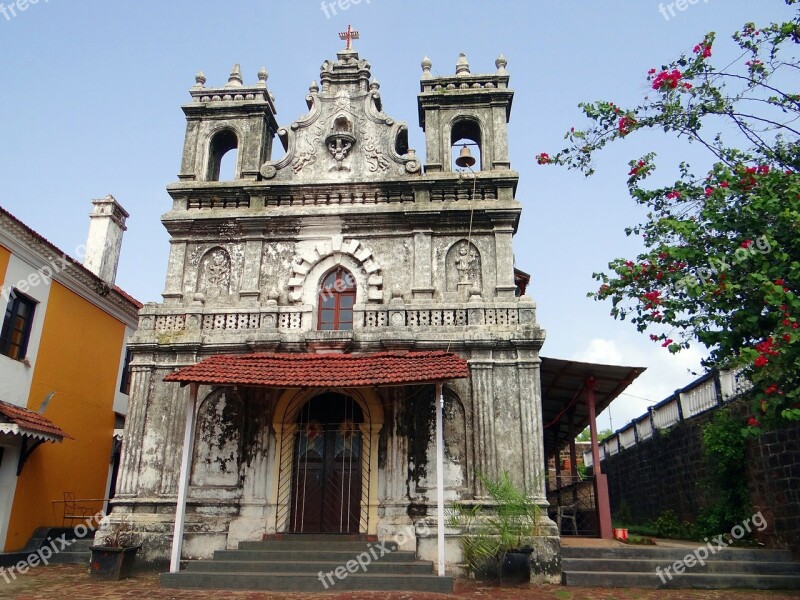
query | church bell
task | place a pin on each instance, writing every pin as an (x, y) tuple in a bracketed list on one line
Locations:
[(465, 159)]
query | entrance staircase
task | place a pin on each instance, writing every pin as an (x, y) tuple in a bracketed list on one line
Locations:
[(636, 567), (311, 563)]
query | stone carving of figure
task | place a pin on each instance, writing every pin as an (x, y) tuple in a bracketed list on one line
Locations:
[(339, 148), (465, 263), (215, 273)]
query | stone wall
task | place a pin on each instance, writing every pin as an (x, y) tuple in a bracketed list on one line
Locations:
[(668, 471)]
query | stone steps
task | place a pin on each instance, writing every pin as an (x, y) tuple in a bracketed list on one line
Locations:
[(311, 563), (646, 567), (77, 553)]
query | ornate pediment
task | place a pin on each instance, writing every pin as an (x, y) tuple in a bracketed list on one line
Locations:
[(345, 136)]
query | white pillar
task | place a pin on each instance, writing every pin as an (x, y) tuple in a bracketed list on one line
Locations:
[(183, 483), (440, 476)]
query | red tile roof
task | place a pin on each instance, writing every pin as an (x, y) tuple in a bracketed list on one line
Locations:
[(29, 421), (324, 370)]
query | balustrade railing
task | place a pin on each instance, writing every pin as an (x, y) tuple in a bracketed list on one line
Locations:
[(707, 393), (366, 317)]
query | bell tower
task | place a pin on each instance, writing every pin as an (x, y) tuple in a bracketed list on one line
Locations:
[(233, 118), (466, 108)]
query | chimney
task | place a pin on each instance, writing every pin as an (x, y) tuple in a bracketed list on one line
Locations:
[(105, 238)]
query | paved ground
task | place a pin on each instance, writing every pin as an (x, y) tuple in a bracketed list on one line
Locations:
[(72, 581)]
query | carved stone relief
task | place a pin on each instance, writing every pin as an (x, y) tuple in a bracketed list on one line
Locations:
[(214, 275)]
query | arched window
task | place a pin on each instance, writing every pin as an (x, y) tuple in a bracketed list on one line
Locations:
[(466, 132), (223, 156), (336, 299)]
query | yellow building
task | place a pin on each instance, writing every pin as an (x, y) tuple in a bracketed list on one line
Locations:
[(63, 371)]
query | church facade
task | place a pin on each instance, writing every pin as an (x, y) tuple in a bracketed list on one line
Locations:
[(346, 244)]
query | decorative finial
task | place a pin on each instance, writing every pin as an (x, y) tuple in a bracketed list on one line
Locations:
[(501, 63), (235, 79), (375, 85), (200, 79), (313, 88), (349, 35), (462, 66), (263, 75), (426, 67)]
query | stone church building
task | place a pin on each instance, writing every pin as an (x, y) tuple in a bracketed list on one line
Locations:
[(314, 301)]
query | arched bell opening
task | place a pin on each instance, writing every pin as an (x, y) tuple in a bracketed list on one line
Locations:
[(466, 145)]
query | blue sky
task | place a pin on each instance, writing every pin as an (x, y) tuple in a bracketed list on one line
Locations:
[(92, 90)]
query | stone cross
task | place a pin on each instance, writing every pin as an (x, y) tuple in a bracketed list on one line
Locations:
[(349, 35)]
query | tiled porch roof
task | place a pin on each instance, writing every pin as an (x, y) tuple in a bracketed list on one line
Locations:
[(16, 420), (324, 370)]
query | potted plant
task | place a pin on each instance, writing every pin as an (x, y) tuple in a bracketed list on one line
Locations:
[(113, 558), (497, 537)]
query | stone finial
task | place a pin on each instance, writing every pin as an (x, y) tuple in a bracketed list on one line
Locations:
[(462, 66), (235, 78), (313, 88), (501, 63), (375, 85), (426, 68), (263, 76), (200, 79)]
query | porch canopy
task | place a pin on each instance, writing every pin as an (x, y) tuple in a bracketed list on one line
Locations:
[(564, 398), (334, 370), (573, 394), (33, 428), (15, 420), (324, 370)]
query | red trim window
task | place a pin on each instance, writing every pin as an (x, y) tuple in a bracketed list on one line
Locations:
[(336, 300)]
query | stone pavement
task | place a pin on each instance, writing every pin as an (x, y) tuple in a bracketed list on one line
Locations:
[(72, 581)]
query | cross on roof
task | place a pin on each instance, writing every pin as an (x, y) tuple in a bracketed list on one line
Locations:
[(349, 35)]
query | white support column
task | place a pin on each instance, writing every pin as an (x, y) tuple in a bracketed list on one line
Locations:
[(440, 476), (183, 483)]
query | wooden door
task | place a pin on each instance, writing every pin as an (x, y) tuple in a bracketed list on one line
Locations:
[(327, 472)]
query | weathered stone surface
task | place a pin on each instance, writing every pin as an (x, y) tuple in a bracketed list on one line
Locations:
[(430, 255)]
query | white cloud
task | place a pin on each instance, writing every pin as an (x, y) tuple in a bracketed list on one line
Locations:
[(665, 373)]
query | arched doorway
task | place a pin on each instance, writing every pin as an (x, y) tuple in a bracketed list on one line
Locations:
[(327, 466)]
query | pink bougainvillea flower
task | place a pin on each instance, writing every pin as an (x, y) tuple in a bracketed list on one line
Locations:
[(667, 79), (543, 158)]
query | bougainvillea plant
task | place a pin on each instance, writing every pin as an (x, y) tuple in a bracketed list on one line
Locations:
[(721, 258)]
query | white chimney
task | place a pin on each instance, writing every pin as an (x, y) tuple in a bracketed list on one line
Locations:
[(105, 238)]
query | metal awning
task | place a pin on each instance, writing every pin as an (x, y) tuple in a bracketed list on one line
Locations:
[(563, 392)]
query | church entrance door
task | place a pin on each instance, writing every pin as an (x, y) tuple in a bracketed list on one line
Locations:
[(326, 475)]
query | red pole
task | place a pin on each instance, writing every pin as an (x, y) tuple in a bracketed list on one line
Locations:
[(600, 481)]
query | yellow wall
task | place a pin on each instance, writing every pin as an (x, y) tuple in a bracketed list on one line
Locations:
[(78, 359), (5, 256)]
